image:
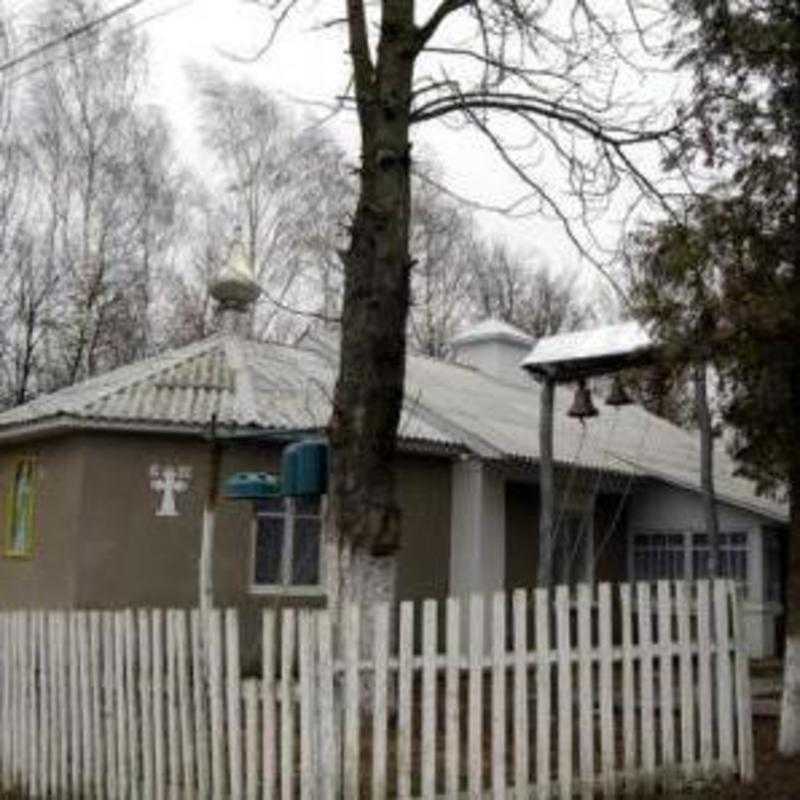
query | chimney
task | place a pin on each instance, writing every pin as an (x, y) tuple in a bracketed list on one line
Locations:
[(235, 290), (495, 348)]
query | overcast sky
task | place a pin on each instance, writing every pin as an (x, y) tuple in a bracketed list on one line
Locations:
[(307, 67)]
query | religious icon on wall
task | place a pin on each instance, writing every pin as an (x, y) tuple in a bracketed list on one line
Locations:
[(169, 480)]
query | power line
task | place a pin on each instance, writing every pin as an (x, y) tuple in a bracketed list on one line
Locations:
[(63, 38), (136, 24)]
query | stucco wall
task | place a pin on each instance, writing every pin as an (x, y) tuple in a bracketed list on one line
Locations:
[(659, 506), (48, 579), (424, 496), (130, 556), (101, 544)]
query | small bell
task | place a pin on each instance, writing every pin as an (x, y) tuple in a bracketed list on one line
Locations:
[(618, 396), (582, 405)]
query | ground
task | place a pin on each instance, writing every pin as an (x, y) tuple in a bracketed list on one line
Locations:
[(777, 778)]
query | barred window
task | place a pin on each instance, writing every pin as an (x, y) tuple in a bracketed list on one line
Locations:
[(678, 555)]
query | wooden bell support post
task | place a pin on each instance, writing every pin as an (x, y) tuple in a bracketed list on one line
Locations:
[(544, 578)]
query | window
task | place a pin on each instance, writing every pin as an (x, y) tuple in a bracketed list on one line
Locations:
[(773, 567), (572, 549), (19, 510), (287, 544), (685, 555), (659, 556)]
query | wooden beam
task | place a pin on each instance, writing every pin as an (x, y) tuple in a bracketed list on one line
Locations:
[(546, 484)]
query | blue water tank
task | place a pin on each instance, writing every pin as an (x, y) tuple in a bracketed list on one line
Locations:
[(304, 468), (251, 486)]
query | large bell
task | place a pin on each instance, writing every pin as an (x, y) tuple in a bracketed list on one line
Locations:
[(618, 396), (582, 405)]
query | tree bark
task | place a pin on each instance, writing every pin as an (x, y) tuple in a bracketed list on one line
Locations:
[(363, 512), (699, 375), (546, 485), (789, 736)]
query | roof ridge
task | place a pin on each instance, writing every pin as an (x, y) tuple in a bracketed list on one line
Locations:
[(174, 358), (245, 392)]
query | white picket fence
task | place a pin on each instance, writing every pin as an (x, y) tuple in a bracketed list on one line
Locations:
[(612, 690)]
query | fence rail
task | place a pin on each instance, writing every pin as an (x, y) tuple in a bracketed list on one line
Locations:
[(608, 689)]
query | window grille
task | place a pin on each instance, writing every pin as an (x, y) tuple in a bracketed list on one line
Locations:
[(678, 555)]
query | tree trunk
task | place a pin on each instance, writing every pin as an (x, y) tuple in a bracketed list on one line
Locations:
[(699, 375), (363, 521), (546, 485), (789, 737)]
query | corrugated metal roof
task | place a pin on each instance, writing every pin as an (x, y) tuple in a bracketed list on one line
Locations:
[(277, 387), (490, 329)]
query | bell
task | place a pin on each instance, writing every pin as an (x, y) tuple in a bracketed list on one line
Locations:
[(618, 396), (582, 405)]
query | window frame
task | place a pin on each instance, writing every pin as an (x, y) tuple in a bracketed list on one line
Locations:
[(690, 549), (28, 552), (289, 515)]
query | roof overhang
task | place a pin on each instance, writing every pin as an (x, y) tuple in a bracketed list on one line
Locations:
[(584, 354), (64, 424)]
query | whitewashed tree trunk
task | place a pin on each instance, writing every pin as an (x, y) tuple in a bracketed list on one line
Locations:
[(789, 736), (789, 741)]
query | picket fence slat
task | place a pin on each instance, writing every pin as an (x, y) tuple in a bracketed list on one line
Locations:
[(704, 685), (380, 622), (521, 716), (234, 703), (529, 692), (328, 770), (200, 686), (452, 706), (688, 752), (666, 715), (630, 740), (744, 712), (606, 690), (475, 728), (305, 664), (212, 631), (132, 715), (250, 693), (585, 690), (725, 703), (184, 701), (269, 740), (352, 705), (428, 700), (404, 699), (647, 689), (173, 742), (565, 699), (543, 692), (498, 731)]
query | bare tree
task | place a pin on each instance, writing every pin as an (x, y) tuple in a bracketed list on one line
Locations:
[(442, 238), (554, 72), (526, 292), (286, 188)]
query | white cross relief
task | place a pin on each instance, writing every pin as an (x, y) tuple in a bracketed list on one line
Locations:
[(170, 481)]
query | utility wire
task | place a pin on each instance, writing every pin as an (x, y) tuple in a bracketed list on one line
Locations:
[(135, 24), (65, 37)]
